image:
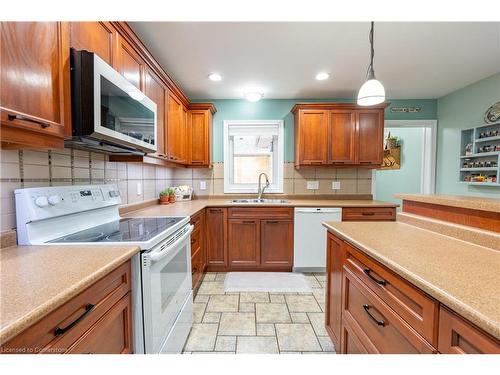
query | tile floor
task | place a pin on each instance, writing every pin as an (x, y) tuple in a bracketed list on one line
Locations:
[(267, 323)]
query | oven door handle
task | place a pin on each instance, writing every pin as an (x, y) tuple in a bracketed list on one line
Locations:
[(161, 254)]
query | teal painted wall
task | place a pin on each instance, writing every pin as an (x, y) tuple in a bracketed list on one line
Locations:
[(279, 109), (407, 178), (462, 109)]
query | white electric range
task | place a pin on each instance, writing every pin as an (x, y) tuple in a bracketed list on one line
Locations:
[(161, 273)]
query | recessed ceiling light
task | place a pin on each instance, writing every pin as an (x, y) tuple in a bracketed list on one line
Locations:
[(216, 77), (322, 76), (253, 96)]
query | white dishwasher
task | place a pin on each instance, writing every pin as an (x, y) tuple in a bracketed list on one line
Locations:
[(309, 237)]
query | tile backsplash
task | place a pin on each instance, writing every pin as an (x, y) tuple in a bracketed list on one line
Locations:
[(23, 169)]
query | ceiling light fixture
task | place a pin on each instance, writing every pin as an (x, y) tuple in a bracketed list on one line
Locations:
[(253, 96), (372, 92), (322, 76), (216, 77)]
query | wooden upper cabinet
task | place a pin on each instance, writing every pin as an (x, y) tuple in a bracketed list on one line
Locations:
[(341, 135), (244, 242), (157, 91), (312, 137), (97, 37), (276, 244), (176, 129), (338, 134), (35, 98), (129, 63), (199, 130), (370, 129)]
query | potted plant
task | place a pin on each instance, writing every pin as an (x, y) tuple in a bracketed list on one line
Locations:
[(164, 196), (171, 194), (391, 142)]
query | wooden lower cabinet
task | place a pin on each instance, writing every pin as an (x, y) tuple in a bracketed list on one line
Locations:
[(370, 309), (334, 259), (369, 214), (98, 320), (457, 336), (244, 243), (110, 333), (216, 239), (276, 244)]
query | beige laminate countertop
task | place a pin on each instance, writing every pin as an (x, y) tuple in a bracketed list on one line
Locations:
[(463, 276), (461, 201), (35, 280), (189, 208)]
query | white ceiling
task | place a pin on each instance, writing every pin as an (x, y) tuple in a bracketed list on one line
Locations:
[(412, 60)]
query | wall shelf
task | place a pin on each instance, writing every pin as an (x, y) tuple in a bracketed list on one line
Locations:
[(475, 140)]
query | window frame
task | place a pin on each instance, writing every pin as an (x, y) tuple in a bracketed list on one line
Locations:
[(278, 177)]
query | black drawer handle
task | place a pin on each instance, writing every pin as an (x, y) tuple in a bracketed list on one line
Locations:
[(23, 118), (368, 271), (272, 222), (215, 210), (379, 322), (248, 221), (368, 213), (59, 331)]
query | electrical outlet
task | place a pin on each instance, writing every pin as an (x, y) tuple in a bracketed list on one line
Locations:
[(335, 185), (312, 185), (139, 188), (203, 185)]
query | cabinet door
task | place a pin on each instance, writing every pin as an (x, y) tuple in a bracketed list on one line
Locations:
[(176, 134), (216, 239), (370, 129), (35, 81), (335, 256), (198, 130), (244, 243), (129, 63), (341, 136), (98, 37), (312, 137), (276, 243), (156, 90), (457, 336)]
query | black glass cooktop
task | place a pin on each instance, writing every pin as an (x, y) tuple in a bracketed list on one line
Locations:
[(123, 230)]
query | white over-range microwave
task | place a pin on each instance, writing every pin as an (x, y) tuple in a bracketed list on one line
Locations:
[(109, 114)]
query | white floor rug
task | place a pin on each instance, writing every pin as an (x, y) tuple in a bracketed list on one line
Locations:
[(275, 282)]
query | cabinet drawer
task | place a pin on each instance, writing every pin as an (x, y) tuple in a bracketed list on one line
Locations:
[(195, 241), (368, 214), (111, 334), (56, 332), (416, 308), (457, 336), (261, 212), (385, 331), (197, 220)]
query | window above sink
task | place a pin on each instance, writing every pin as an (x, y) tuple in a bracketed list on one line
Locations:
[(252, 148)]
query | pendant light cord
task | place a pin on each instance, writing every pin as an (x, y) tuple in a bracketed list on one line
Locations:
[(370, 72)]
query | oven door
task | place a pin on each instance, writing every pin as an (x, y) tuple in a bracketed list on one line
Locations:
[(166, 285)]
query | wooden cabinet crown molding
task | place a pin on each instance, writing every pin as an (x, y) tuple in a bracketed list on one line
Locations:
[(336, 105), (202, 107)]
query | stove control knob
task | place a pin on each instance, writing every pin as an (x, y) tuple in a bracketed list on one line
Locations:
[(41, 201), (54, 199)]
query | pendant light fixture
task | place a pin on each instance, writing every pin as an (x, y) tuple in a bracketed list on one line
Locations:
[(372, 92)]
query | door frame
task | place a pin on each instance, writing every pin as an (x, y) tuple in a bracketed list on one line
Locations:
[(429, 149)]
